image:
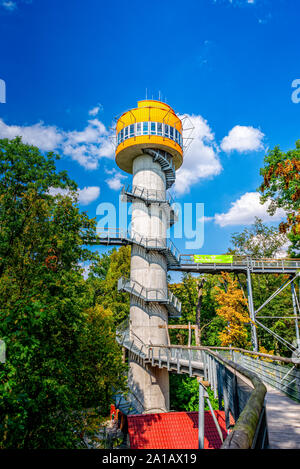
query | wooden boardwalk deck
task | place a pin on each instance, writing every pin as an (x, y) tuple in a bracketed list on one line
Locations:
[(283, 419)]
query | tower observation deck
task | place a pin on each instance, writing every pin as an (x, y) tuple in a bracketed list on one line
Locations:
[(150, 147)]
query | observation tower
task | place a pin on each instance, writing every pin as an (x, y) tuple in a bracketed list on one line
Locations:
[(150, 147)]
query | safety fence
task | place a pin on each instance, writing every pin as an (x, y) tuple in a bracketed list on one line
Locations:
[(240, 392), (156, 295), (123, 237), (284, 377), (244, 262)]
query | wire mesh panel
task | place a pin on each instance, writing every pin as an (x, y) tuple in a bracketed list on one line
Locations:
[(284, 378), (239, 400)]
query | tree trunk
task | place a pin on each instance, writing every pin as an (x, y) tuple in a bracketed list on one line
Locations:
[(200, 284)]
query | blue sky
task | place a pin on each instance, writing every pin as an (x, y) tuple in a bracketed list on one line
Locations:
[(71, 66)]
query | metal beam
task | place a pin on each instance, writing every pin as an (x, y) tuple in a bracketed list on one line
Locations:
[(251, 311), (201, 417), (280, 289), (294, 297)]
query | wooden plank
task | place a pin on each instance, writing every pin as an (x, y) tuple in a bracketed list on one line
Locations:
[(197, 341), (283, 419)]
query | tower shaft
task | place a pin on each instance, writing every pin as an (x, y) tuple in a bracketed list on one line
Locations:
[(149, 386), (150, 147)]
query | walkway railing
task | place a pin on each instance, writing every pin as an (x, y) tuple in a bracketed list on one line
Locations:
[(166, 163), (187, 263), (240, 263), (158, 295), (149, 196), (123, 237), (282, 377)]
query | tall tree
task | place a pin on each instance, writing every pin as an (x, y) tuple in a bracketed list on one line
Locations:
[(259, 240), (44, 300), (200, 285), (233, 310), (103, 279), (198, 307), (281, 185)]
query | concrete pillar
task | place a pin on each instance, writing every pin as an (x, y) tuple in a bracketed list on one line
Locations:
[(150, 385)]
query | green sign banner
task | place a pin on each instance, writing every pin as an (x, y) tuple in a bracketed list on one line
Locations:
[(212, 259)]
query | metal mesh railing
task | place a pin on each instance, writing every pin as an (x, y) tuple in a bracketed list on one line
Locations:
[(155, 243), (243, 400), (285, 378), (160, 295), (151, 243), (149, 195), (112, 233), (249, 262)]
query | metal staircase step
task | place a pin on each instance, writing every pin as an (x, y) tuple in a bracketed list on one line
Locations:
[(163, 159)]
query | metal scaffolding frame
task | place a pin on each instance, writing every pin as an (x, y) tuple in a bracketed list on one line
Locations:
[(253, 313), (177, 262)]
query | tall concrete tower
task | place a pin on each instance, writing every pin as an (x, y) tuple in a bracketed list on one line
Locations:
[(149, 146)]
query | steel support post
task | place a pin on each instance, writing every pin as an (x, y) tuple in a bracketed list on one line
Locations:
[(251, 311), (201, 417), (178, 363), (214, 418), (295, 312), (215, 379)]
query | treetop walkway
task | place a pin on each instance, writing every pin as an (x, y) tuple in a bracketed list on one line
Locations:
[(238, 379)]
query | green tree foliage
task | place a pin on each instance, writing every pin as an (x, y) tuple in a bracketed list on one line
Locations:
[(103, 280), (262, 241), (184, 394), (99, 370), (188, 293), (232, 308), (50, 330), (258, 241), (281, 185)]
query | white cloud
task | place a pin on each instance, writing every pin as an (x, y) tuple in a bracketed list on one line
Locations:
[(86, 269), (114, 182), (58, 190), (85, 195), (205, 219), (243, 139), (86, 146), (244, 210), (201, 160), (47, 138), (95, 110), (283, 251), (238, 3), (88, 194), (9, 5)]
